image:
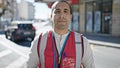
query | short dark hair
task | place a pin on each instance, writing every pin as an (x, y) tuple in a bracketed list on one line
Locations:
[(64, 2)]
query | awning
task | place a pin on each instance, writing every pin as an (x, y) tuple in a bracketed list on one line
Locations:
[(69, 1), (49, 1)]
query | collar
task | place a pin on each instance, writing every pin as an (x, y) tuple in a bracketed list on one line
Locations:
[(57, 35)]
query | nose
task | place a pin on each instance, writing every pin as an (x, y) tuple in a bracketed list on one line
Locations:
[(62, 15)]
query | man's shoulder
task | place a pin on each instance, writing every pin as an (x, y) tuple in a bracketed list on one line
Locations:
[(78, 33), (43, 34)]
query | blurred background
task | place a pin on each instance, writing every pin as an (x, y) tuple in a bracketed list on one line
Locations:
[(22, 20)]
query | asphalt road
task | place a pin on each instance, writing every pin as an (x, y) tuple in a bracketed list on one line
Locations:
[(106, 57)]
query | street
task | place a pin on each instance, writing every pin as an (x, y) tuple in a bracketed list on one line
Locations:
[(11, 54), (14, 55), (106, 57)]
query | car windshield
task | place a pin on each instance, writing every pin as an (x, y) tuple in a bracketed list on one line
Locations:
[(25, 26)]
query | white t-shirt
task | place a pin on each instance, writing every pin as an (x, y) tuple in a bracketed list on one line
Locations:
[(87, 60), (60, 40)]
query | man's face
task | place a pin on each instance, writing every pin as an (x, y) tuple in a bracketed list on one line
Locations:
[(61, 16)]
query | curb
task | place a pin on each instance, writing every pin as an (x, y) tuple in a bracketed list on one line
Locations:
[(107, 44)]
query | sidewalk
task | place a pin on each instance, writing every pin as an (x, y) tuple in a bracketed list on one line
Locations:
[(100, 39), (103, 40)]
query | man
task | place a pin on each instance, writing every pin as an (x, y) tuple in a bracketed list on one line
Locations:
[(60, 48)]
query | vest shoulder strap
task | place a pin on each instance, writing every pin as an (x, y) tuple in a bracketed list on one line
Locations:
[(38, 45), (82, 42)]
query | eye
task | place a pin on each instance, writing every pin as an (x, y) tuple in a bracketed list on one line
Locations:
[(66, 11), (57, 11)]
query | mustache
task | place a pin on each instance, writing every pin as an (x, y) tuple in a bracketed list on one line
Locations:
[(62, 20)]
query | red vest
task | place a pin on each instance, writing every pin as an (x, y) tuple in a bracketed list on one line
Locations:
[(68, 57)]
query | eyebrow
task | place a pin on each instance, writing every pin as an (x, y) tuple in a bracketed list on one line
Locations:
[(67, 9), (57, 9), (64, 9)]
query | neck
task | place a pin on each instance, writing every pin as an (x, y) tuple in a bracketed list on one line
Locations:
[(61, 32)]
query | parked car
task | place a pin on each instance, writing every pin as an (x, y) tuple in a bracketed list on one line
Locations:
[(20, 30)]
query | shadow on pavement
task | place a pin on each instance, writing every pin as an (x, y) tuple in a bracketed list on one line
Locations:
[(2, 32), (25, 43)]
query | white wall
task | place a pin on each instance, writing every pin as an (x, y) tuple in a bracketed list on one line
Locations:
[(26, 10)]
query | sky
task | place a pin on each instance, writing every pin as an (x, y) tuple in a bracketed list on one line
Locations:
[(41, 9)]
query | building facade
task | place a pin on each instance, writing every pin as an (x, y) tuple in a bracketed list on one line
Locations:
[(9, 12), (2, 7), (95, 16), (26, 10), (100, 16), (2, 10)]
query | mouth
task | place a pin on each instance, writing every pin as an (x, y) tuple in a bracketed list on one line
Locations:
[(61, 21)]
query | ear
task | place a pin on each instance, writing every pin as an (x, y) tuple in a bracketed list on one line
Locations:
[(71, 16), (50, 16)]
